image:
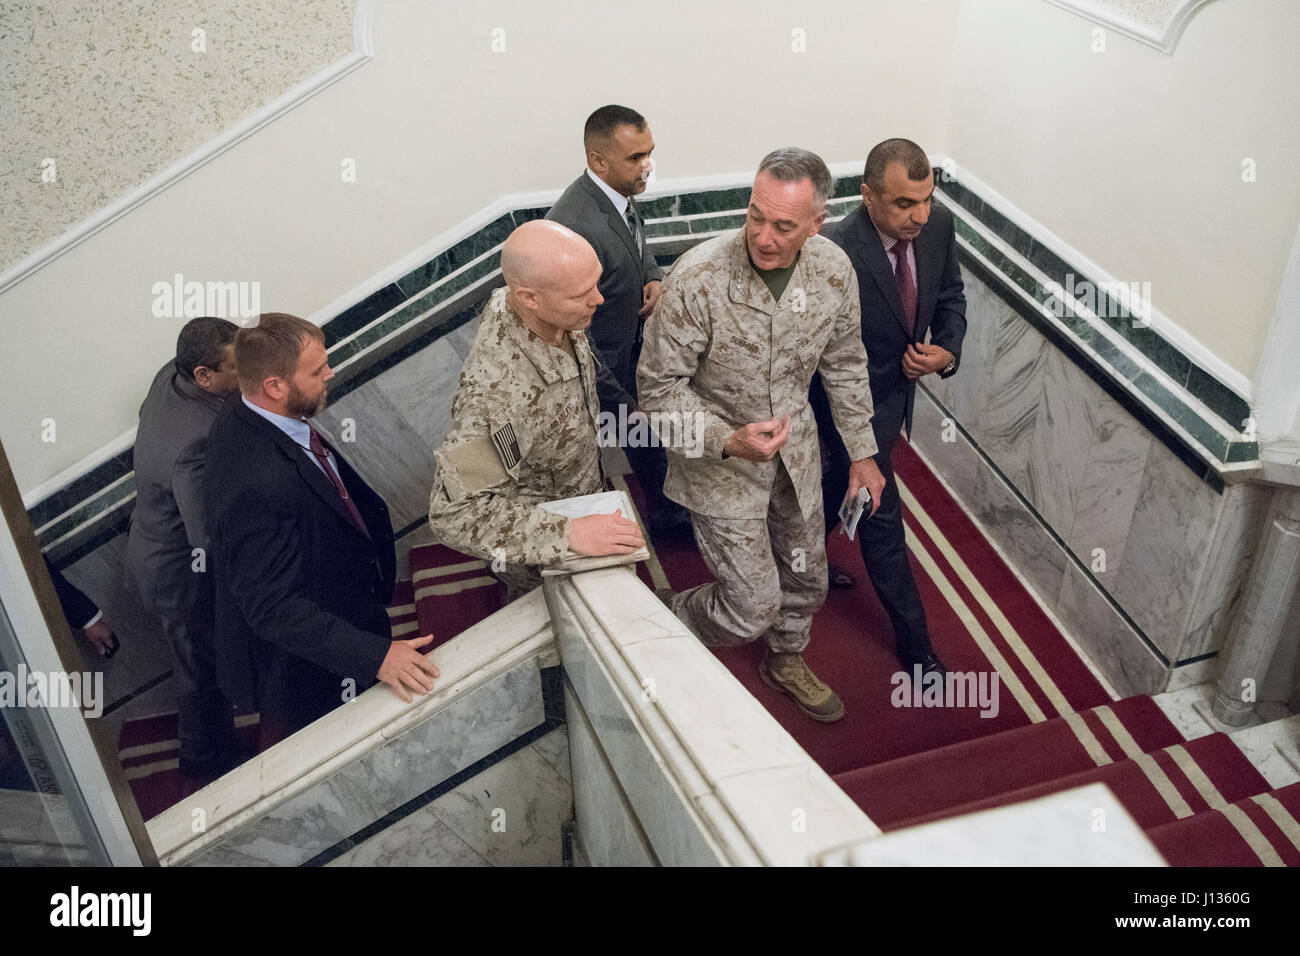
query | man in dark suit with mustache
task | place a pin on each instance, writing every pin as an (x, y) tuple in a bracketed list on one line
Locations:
[(905, 254)]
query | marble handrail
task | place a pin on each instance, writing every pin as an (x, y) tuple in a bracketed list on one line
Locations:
[(710, 775), (480, 654), (1085, 826)]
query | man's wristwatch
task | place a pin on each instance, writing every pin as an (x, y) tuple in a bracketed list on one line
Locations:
[(951, 365)]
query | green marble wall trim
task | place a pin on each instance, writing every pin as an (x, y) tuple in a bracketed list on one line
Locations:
[(415, 310), (1229, 411)]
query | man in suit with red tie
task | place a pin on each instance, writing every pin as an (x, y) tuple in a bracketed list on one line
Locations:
[(904, 251), (301, 547)]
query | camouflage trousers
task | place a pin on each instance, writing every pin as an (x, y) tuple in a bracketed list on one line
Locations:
[(769, 575)]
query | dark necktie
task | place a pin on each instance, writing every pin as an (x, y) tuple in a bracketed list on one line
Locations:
[(906, 287), (318, 449), (632, 223)]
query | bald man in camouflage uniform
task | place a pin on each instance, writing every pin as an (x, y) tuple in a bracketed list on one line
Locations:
[(744, 321), (524, 419)]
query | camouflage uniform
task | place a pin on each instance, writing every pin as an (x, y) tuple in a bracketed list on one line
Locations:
[(717, 346), (523, 432)]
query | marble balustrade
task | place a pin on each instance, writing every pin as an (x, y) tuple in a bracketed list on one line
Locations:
[(335, 778), (1143, 559), (674, 762), (1085, 826)]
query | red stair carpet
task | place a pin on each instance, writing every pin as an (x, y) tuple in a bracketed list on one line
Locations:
[(1268, 834), (452, 591), (1201, 801), (852, 642), (927, 783)]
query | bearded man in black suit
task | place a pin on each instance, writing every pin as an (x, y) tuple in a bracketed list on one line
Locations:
[(302, 546)]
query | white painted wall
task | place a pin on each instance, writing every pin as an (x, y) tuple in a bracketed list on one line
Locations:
[(1129, 156), (440, 126), (1134, 158)]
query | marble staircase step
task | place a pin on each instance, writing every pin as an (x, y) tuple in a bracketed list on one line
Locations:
[(1166, 785), (981, 768), (1262, 830)]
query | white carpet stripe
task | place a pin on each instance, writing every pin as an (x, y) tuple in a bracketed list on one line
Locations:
[(1089, 740), (149, 769), (1281, 816), (1036, 670), (1238, 817), (1005, 673), (445, 570), (454, 587), (1203, 784), (145, 750), (162, 746), (1043, 600), (401, 609), (1145, 762), (1251, 833), (1164, 786), (1118, 731), (407, 628)]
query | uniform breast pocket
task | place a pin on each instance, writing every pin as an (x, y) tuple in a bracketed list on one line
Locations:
[(738, 355), (810, 344)]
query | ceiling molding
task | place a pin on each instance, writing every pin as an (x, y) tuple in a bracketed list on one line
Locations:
[(1157, 23)]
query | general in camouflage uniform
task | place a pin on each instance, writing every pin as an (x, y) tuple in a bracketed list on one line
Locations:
[(720, 347), (523, 432)]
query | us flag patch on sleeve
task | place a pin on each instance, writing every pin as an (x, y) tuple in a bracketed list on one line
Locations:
[(507, 445)]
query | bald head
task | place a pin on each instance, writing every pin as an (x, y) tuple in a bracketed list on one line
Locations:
[(539, 253), (552, 274)]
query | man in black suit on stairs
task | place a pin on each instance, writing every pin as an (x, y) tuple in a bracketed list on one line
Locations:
[(301, 547), (905, 255), (599, 206)]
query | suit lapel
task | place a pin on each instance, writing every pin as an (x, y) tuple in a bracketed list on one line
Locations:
[(616, 222), (307, 469), (869, 251), (926, 284)]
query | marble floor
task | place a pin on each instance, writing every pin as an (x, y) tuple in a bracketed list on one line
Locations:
[(1271, 742)]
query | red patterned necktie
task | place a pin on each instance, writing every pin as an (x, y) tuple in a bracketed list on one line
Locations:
[(906, 287), (318, 449)]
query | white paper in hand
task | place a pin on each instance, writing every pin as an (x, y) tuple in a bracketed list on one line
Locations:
[(851, 511)]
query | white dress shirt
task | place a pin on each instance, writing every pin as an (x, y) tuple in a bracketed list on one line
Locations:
[(299, 430)]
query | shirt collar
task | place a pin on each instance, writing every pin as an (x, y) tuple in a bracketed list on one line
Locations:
[(616, 197), (295, 428), (889, 241)]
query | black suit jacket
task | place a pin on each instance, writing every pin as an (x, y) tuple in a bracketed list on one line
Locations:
[(940, 302), (300, 591), (585, 209)]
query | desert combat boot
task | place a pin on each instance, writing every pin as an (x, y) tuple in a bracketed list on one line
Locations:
[(788, 673)]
